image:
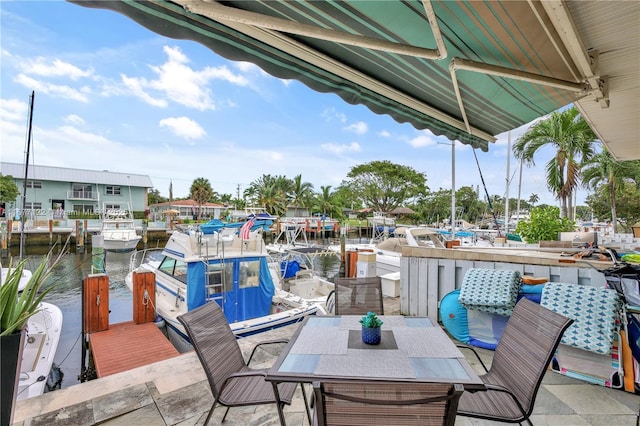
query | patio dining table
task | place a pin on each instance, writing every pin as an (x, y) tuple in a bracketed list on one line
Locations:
[(412, 349)]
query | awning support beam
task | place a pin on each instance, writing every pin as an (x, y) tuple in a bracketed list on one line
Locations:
[(218, 12), (461, 64)]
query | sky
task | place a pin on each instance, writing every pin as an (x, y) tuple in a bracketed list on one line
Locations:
[(112, 95)]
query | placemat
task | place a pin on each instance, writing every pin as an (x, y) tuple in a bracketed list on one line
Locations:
[(367, 363), (320, 341), (352, 322), (429, 342)]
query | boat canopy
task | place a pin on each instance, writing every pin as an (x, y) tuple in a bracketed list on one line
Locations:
[(248, 286)]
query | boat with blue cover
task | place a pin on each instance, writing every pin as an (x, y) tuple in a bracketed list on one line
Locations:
[(259, 221), (238, 273)]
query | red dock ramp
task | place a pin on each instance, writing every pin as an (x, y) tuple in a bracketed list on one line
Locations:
[(127, 345)]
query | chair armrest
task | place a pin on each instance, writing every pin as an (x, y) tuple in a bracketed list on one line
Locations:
[(266, 342), (240, 374), (461, 346)]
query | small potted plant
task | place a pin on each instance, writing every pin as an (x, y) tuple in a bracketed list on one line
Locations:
[(371, 333)]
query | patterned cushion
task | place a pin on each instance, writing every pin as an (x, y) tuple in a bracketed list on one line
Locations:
[(593, 309), (490, 290)]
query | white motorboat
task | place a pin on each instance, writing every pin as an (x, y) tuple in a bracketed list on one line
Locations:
[(388, 251), (26, 276), (222, 267), (118, 230), (43, 334)]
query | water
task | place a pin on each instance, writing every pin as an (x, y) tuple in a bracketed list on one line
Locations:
[(67, 295)]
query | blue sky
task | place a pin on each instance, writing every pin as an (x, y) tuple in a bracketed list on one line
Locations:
[(112, 95)]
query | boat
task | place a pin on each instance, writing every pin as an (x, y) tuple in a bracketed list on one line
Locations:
[(388, 251), (26, 276), (258, 221), (224, 267), (118, 230), (41, 342)]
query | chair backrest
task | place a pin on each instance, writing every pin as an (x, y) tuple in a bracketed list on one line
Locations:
[(526, 348), (357, 296), (214, 343), (386, 403)]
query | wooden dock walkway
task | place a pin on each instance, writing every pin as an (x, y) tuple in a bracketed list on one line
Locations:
[(127, 345)]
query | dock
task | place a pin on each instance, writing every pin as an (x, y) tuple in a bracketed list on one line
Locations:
[(119, 348)]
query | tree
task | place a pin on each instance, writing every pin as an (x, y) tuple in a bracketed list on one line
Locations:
[(572, 139), (200, 192), (603, 169), (326, 202), (301, 193), (533, 199), (154, 197), (383, 185), (8, 189), (544, 224), (627, 202), (270, 192)]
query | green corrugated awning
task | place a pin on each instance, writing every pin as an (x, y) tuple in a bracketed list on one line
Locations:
[(501, 64)]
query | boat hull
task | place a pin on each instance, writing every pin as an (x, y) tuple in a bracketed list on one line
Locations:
[(43, 334)]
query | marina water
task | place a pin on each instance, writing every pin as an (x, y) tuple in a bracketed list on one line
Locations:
[(67, 295)]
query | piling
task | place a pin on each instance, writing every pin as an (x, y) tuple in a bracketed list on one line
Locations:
[(79, 237), (144, 297), (97, 254), (4, 251)]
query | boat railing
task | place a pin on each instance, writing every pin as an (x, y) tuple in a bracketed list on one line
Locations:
[(139, 257)]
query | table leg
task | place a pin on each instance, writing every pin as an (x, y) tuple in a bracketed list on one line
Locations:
[(283, 422)]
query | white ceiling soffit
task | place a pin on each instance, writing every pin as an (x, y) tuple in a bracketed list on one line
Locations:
[(610, 29)]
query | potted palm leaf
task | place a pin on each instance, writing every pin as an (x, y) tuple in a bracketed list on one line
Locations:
[(15, 310), (371, 333)]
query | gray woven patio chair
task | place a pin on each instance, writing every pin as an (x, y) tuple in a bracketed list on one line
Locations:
[(357, 296), (385, 403), (520, 361), (233, 383)]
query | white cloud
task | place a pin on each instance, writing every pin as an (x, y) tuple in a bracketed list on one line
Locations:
[(12, 110), (74, 119), (54, 90), (359, 128), (56, 68), (384, 134), (340, 149), (423, 139), (183, 127), (136, 86), (330, 114), (78, 137), (180, 83)]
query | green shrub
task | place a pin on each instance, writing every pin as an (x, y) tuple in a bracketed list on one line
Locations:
[(544, 224)]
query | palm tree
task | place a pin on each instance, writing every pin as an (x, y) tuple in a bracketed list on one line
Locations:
[(325, 201), (573, 140), (270, 192), (201, 192), (603, 169), (301, 192), (533, 199)]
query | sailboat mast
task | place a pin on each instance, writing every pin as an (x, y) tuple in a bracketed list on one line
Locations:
[(506, 206), (26, 174)]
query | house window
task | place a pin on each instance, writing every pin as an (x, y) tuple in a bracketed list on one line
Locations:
[(112, 190), (34, 184), (33, 206), (81, 190)]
